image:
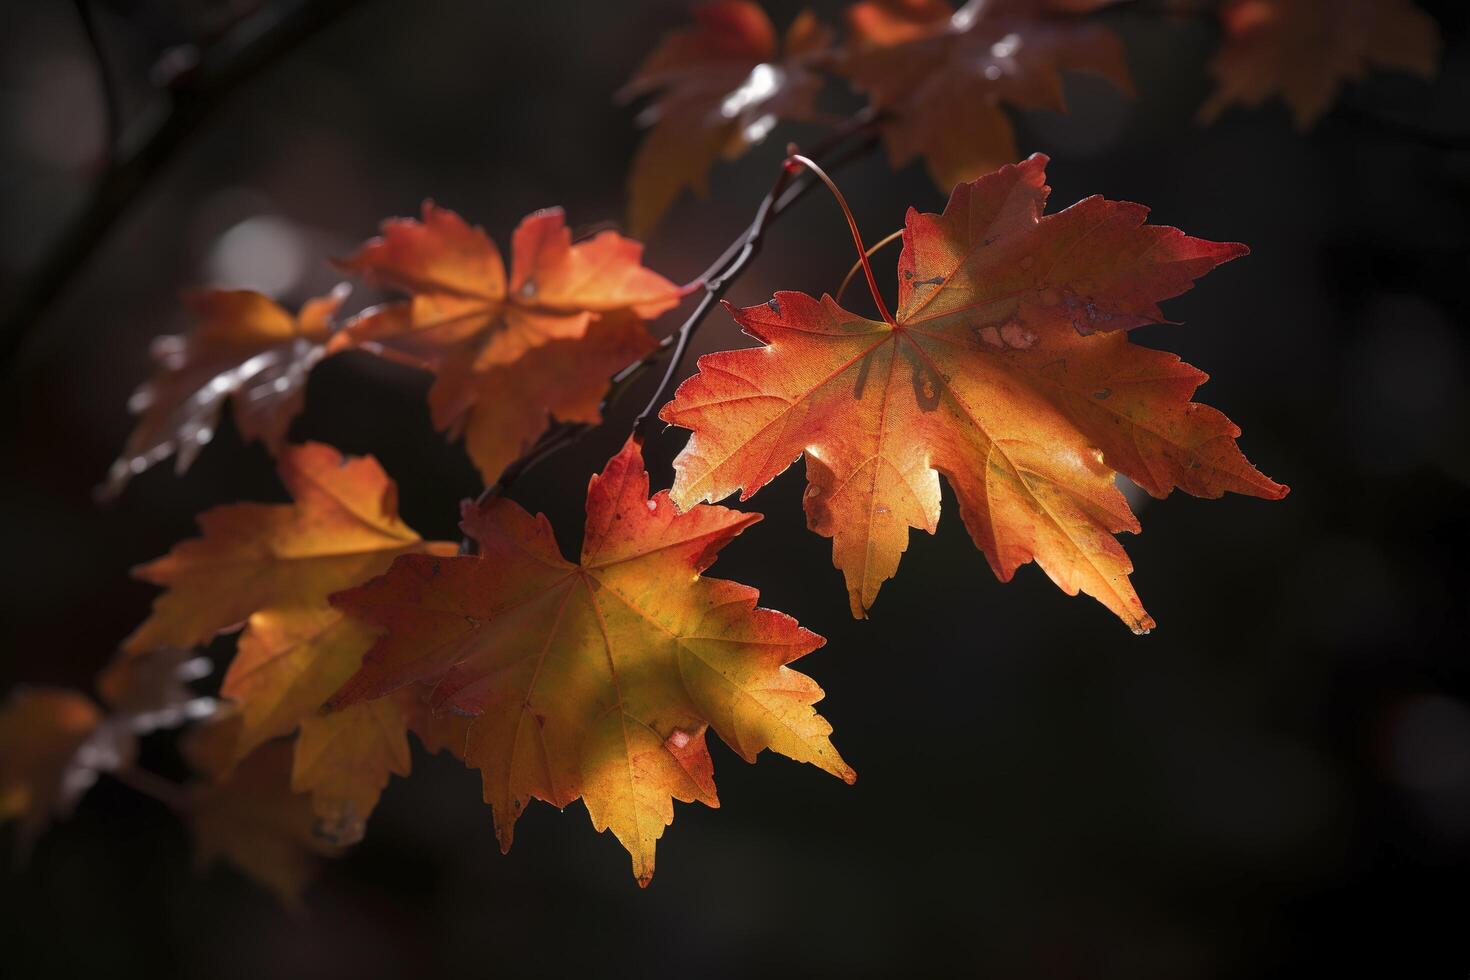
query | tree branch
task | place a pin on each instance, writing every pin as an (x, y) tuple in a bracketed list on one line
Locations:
[(106, 80), (853, 139), (150, 784), (145, 148)]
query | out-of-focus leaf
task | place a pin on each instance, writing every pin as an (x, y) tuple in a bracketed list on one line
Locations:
[(247, 348), (943, 77), (45, 763), (151, 690), (249, 817), (1304, 50), (721, 87)]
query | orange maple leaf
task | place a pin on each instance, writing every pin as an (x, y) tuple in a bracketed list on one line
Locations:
[(247, 813), (502, 410), (460, 290), (1304, 50), (721, 88), (596, 680), (445, 731), (288, 662), (274, 565), (509, 356), (942, 76), (43, 734), (1006, 370), (343, 528), (246, 347)]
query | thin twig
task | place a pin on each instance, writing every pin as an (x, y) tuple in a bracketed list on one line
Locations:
[(151, 142), (715, 286), (848, 142), (106, 80), (872, 250), (154, 786), (795, 161)]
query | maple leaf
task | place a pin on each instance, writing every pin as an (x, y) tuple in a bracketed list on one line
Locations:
[(248, 815), (1304, 50), (523, 354), (1006, 370), (502, 410), (274, 565), (44, 732), (150, 691), (942, 76), (460, 291), (289, 661), (344, 759), (247, 348), (596, 680), (721, 89), (437, 731), (343, 528)]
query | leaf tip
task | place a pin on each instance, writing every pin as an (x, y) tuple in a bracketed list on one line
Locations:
[(1230, 251)]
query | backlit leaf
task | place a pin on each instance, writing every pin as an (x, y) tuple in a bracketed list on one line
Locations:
[(943, 77), (246, 348), (1304, 50), (596, 680), (343, 528), (1008, 371), (43, 732), (460, 290), (272, 566), (721, 86)]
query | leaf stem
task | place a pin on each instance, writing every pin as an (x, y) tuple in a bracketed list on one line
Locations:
[(852, 271), (796, 160), (716, 282), (106, 80), (153, 786)]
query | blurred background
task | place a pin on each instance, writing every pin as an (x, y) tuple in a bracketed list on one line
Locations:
[(1276, 780)]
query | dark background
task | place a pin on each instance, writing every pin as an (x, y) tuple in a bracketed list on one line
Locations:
[(1276, 782)]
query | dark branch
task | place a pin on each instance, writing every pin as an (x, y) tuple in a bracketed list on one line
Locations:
[(150, 784), (151, 142), (853, 139), (106, 80)]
